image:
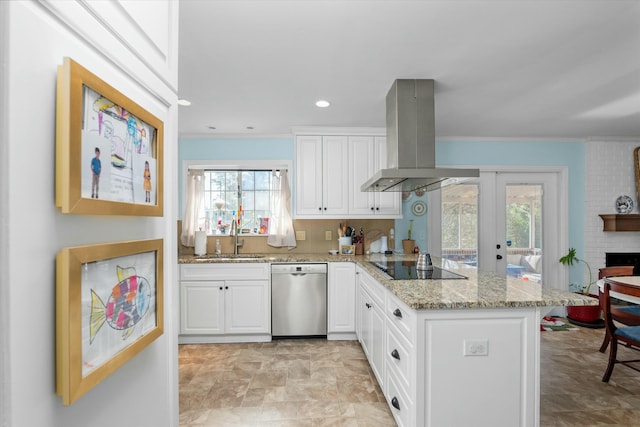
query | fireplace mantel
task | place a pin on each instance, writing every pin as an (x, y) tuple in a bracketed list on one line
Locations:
[(621, 222)]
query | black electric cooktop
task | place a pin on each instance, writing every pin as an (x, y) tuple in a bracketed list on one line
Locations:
[(406, 270)]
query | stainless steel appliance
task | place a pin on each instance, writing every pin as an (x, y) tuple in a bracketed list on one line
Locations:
[(298, 300), (411, 142), (406, 270)]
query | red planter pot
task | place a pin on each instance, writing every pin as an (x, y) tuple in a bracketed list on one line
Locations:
[(585, 315)]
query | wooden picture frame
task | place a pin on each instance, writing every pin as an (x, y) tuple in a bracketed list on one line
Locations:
[(109, 307), (347, 249), (97, 126), (636, 162)]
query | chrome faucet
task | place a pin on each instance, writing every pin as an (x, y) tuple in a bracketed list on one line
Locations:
[(234, 232)]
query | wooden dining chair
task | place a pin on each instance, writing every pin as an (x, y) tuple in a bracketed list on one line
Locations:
[(618, 270), (627, 335)]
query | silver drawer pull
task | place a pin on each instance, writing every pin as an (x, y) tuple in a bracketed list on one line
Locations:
[(395, 354)]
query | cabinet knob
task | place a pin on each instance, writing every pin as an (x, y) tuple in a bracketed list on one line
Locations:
[(325, 208), (395, 354), (220, 287), (320, 209), (395, 403), (397, 313), (378, 208), (371, 207), (226, 287), (367, 304)]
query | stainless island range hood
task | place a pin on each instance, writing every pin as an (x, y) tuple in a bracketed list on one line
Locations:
[(411, 145)]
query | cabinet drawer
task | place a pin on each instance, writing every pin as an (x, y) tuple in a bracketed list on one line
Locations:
[(239, 271), (400, 315), (375, 289), (399, 355), (401, 406)]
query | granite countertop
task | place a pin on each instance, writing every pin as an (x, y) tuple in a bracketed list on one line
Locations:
[(480, 290)]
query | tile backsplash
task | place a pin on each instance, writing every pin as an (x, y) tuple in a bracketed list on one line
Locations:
[(314, 230)]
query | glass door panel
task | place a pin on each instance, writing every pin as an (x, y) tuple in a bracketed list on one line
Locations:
[(523, 230), (460, 223)]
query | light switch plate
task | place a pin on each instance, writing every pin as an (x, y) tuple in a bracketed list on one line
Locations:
[(327, 235), (301, 235)]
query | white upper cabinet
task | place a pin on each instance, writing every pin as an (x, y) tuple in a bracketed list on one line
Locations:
[(321, 176), (367, 155), (330, 171)]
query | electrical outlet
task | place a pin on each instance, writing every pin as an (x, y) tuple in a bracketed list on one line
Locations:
[(301, 235), (476, 347), (327, 235)]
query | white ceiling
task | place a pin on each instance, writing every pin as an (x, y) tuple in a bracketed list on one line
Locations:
[(511, 68)]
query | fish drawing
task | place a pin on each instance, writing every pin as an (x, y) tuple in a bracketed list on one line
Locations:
[(128, 303)]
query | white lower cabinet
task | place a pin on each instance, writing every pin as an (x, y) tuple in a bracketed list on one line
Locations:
[(432, 363), (202, 307), (341, 304), (371, 322), (225, 303)]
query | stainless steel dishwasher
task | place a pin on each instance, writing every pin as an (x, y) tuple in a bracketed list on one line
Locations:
[(298, 300)]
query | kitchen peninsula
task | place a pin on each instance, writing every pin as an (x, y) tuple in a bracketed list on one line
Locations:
[(454, 352)]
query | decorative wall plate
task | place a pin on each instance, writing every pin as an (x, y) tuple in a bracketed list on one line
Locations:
[(419, 208), (420, 193), (624, 205), (406, 195)]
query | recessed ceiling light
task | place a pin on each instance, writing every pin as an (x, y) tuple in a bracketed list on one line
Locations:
[(322, 103), (184, 102)]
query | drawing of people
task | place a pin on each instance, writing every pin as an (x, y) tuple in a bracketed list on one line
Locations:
[(96, 168), (147, 182)]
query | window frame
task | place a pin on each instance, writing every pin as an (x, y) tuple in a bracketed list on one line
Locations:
[(233, 165)]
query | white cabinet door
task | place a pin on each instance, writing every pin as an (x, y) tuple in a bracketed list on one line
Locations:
[(377, 342), (367, 155), (321, 176), (202, 307), (309, 175), (247, 308), (335, 164), (362, 167), (364, 311), (386, 203), (342, 297)]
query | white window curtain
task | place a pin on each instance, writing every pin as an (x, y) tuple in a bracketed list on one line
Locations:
[(281, 231), (193, 206)]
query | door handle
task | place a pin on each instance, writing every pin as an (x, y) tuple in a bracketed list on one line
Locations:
[(498, 256)]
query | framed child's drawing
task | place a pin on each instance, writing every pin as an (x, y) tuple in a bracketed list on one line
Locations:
[(108, 148), (109, 306)]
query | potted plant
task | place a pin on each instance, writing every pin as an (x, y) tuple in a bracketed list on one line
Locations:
[(408, 244), (585, 315)]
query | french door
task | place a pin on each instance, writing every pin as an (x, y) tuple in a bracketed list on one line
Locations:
[(507, 221)]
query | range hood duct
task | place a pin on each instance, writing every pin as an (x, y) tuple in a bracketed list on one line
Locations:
[(411, 144)]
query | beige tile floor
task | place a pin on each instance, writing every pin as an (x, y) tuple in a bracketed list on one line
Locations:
[(329, 383)]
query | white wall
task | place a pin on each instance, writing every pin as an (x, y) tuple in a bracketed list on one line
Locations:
[(133, 47), (610, 173)]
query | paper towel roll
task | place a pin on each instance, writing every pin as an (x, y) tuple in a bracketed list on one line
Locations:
[(201, 243)]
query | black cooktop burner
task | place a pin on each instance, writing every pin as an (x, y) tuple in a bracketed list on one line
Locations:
[(406, 270)]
